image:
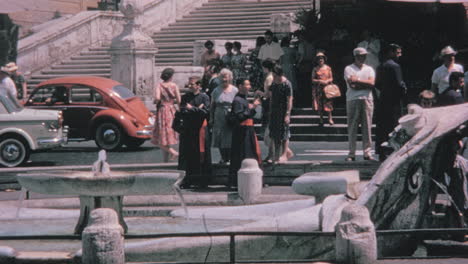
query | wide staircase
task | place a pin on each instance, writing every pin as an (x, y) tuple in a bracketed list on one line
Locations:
[(217, 19)]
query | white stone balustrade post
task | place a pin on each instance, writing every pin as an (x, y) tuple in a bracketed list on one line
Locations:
[(249, 181), (7, 255), (356, 241), (133, 53), (102, 239)]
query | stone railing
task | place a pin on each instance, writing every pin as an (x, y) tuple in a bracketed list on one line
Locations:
[(92, 28)]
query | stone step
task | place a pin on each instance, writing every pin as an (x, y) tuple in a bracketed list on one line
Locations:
[(212, 36), (168, 59), (182, 44), (221, 17), (187, 56), (264, 20), (95, 52), (91, 57), (86, 62), (222, 26), (314, 119), (174, 63), (325, 129), (338, 111), (284, 8), (50, 76), (210, 30), (246, 4), (212, 33), (238, 13), (165, 49), (32, 257), (82, 66), (323, 137), (78, 71)]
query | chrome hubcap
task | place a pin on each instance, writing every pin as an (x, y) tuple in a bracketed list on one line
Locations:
[(11, 152), (109, 136)]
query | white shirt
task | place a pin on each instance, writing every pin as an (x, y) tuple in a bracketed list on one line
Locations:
[(364, 73), (270, 51), (9, 85), (440, 76)]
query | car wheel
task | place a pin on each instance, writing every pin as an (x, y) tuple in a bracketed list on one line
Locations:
[(132, 142), (109, 136), (13, 152)]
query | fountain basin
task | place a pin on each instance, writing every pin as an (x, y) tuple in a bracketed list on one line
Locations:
[(84, 183)]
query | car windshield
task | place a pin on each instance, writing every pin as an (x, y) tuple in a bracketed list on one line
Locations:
[(11, 103), (123, 92)]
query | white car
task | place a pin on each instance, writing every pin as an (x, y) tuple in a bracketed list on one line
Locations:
[(25, 130)]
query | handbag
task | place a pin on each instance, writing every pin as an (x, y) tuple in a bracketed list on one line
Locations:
[(178, 122), (331, 91)]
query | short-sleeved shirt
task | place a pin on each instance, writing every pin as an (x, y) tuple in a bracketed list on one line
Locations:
[(270, 51), (207, 57), (441, 75), (364, 73), (9, 85)]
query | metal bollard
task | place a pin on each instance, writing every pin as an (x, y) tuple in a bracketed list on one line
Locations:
[(249, 181), (103, 241), (356, 241)]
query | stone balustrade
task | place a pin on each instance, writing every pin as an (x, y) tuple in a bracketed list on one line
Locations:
[(91, 28)]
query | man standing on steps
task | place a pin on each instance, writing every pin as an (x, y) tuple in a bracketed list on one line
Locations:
[(389, 81), (270, 50), (359, 103)]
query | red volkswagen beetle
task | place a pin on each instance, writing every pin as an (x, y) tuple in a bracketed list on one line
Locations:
[(96, 108)]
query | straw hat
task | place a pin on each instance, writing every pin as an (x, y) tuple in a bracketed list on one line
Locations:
[(447, 51), (5, 70), (359, 51), (11, 67)]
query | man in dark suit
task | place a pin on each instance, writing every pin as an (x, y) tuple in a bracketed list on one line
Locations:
[(389, 81), (452, 95)]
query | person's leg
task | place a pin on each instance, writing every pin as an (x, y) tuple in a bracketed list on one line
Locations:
[(330, 118), (366, 114), (165, 152), (352, 119), (287, 152)]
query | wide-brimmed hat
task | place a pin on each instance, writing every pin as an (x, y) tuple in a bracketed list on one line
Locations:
[(11, 67), (359, 51), (5, 70), (447, 51)]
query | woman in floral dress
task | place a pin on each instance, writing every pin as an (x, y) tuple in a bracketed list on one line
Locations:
[(321, 77), (256, 71), (166, 97)]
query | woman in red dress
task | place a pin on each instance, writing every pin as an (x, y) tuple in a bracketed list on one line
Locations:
[(322, 76), (166, 97)]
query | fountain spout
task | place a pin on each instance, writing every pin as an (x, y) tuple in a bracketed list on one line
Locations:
[(101, 167)]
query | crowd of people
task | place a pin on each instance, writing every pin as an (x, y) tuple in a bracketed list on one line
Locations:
[(216, 112)]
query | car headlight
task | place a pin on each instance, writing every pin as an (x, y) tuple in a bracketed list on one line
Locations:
[(151, 120)]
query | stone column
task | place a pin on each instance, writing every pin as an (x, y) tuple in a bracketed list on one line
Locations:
[(103, 241), (356, 241), (133, 54), (249, 181)]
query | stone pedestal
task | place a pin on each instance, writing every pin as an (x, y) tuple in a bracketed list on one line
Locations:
[(249, 181), (356, 241), (7, 255), (133, 52), (282, 24), (103, 241)]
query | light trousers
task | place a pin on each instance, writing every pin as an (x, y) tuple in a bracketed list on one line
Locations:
[(359, 112)]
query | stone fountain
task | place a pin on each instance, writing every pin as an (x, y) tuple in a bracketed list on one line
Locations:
[(397, 197), (101, 188)]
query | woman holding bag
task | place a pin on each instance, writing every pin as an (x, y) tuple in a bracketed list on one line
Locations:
[(322, 76)]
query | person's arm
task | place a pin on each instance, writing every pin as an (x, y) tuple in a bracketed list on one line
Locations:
[(399, 79), (434, 88), (287, 118), (177, 95), (434, 83), (157, 94)]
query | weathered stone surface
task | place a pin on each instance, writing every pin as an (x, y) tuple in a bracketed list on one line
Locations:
[(330, 213), (356, 241), (7, 255), (322, 184), (249, 181), (103, 241), (282, 24)]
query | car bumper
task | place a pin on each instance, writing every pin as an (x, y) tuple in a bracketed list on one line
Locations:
[(144, 133), (61, 139)]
